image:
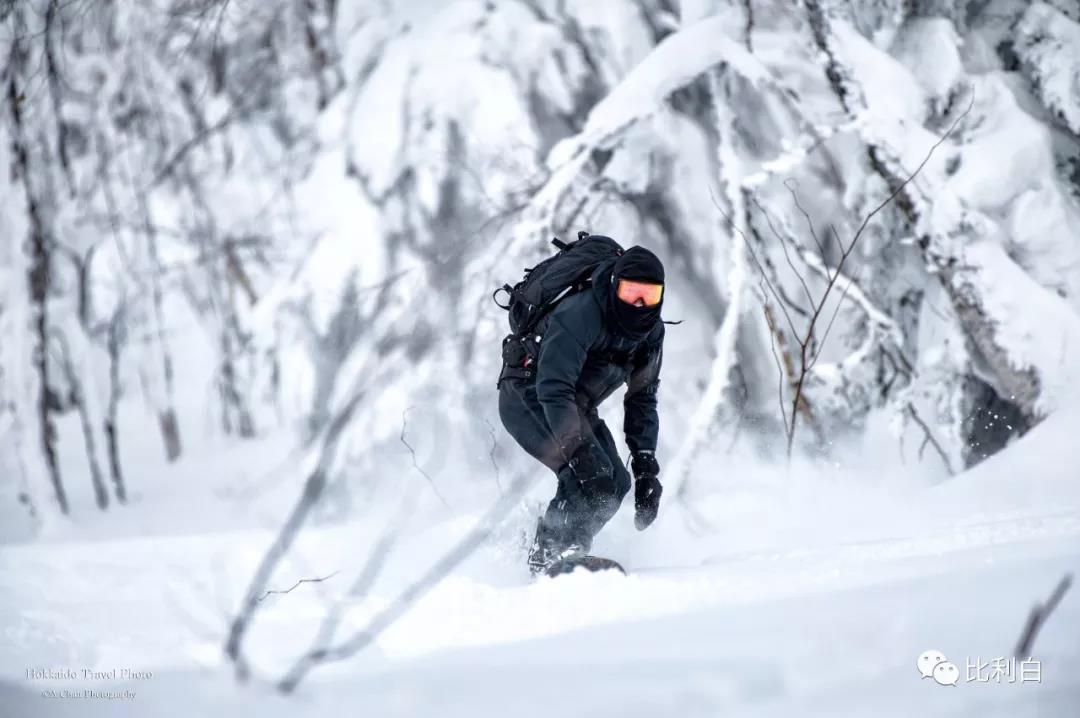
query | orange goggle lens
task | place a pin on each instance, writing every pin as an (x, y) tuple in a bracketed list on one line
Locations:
[(630, 292)]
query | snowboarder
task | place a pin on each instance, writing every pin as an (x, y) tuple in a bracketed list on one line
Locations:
[(592, 341)]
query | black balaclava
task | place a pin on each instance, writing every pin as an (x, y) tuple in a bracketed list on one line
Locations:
[(639, 264)]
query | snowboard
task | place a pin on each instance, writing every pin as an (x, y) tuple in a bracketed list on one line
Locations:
[(585, 563)]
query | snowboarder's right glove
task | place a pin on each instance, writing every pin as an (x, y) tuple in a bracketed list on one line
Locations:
[(647, 488)]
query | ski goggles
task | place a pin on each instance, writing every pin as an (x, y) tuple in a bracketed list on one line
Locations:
[(631, 291)]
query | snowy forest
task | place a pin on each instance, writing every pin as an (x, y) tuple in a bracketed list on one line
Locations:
[(251, 456)]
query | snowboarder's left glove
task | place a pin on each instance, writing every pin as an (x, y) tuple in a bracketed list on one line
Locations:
[(644, 464), (647, 488)]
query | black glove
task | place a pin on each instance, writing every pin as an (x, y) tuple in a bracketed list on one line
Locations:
[(644, 463), (647, 488)]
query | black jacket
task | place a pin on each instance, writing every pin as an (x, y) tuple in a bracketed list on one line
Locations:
[(583, 359)]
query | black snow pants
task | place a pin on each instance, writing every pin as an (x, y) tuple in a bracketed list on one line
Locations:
[(582, 505)]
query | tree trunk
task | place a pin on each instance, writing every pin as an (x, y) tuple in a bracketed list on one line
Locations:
[(170, 433), (101, 493), (38, 279), (233, 405), (170, 428), (82, 404), (112, 440)]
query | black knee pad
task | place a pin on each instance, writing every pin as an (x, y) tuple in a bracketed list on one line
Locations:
[(603, 481)]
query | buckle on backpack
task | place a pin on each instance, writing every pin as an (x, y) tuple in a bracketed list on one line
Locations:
[(509, 295)]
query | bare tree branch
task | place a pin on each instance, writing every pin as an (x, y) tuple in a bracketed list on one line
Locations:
[(1040, 612), (377, 557), (929, 438), (407, 598), (312, 492), (809, 348)]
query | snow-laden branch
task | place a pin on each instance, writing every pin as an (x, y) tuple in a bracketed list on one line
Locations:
[(1048, 42), (1025, 337), (810, 347), (794, 154), (678, 60)]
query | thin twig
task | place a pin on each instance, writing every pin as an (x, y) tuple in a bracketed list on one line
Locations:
[(910, 177), (851, 247), (416, 465), (787, 255), (491, 454), (757, 262), (828, 327), (188, 145), (791, 183), (290, 588)]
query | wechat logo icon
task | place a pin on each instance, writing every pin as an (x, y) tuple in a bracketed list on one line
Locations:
[(933, 664)]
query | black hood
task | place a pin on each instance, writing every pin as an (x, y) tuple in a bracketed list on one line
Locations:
[(640, 264)]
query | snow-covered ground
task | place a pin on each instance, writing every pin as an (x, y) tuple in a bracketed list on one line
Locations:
[(812, 593)]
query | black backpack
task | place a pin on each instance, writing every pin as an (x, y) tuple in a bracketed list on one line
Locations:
[(557, 277)]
